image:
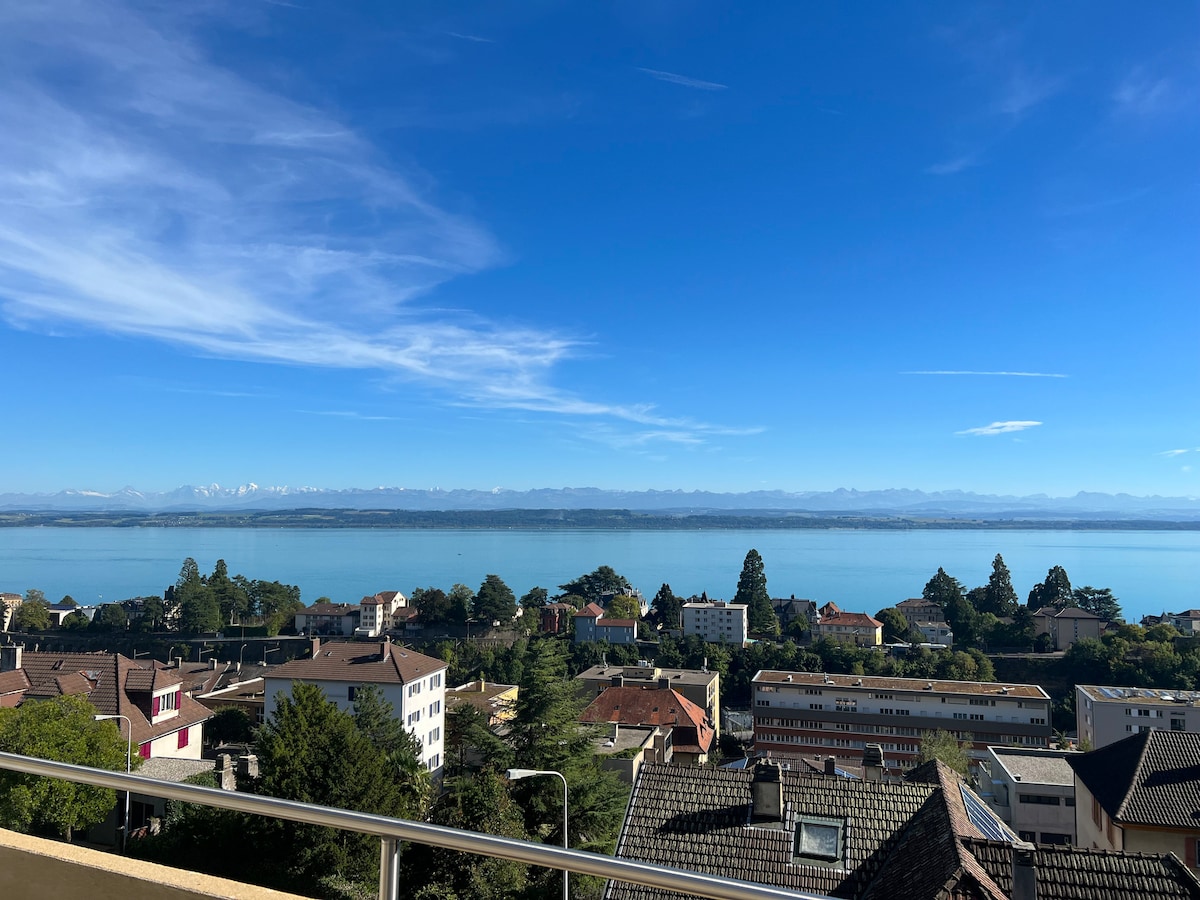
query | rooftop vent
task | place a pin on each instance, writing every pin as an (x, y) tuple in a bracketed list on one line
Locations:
[(928, 687), (766, 793)]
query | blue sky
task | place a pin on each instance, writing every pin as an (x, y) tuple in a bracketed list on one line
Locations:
[(627, 245)]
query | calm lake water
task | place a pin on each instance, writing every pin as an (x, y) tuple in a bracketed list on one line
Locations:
[(859, 570)]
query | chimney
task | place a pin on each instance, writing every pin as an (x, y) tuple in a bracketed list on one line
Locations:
[(10, 657), (482, 685), (616, 730), (226, 776), (873, 762), (664, 684), (1024, 874), (179, 662), (247, 766), (385, 650), (212, 663), (830, 766), (766, 793), (617, 681), (316, 647)]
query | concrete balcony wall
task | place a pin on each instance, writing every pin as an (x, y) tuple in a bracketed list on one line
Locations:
[(32, 867)]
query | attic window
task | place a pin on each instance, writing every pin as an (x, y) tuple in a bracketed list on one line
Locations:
[(819, 840)]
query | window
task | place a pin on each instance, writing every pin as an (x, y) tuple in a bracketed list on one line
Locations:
[(435, 761), (1070, 801), (819, 839), (1040, 799), (351, 692), (183, 738), (1177, 725), (435, 680), (435, 707), (1053, 837), (816, 706), (144, 750), (1097, 813), (435, 735), (1028, 836)]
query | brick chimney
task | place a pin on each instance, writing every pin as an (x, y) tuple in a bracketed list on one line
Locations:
[(10, 657), (316, 646), (766, 793), (385, 650), (830, 765)]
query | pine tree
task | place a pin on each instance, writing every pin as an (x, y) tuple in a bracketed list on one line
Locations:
[(1054, 591), (1000, 599), (495, 601), (752, 591)]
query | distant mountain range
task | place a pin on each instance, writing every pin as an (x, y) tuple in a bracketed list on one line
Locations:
[(897, 502)]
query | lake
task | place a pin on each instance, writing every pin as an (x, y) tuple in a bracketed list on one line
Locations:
[(1149, 571)]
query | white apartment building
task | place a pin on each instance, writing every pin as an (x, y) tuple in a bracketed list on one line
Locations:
[(1033, 791), (717, 622), (1105, 715), (801, 714), (413, 683)]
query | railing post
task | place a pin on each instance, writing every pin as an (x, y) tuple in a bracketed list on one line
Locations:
[(389, 869)]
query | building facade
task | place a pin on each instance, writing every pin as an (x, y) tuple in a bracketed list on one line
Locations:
[(813, 713), (1066, 626), (414, 684), (590, 625), (851, 627), (1105, 715), (700, 686), (717, 622), (1033, 791)]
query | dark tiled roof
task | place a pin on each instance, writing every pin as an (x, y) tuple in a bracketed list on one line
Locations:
[(1073, 873), (352, 661), (693, 818), (1149, 778), (642, 705), (13, 681)]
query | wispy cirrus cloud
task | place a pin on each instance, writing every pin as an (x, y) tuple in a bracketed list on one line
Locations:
[(953, 166), (1171, 454), (1003, 374), (148, 191), (1022, 90), (473, 38), (1000, 428), (684, 80), (1144, 95)]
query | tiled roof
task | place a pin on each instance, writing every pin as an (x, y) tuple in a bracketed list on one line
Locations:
[(13, 681), (1073, 873), (104, 679), (591, 611), (1149, 778), (616, 623), (363, 662), (693, 818), (918, 685), (851, 618), (329, 609), (642, 705)]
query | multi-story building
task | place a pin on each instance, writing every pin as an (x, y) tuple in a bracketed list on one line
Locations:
[(1066, 626), (814, 713), (9, 604), (328, 618), (700, 686), (1033, 791), (1105, 715), (591, 625), (851, 627), (414, 684), (917, 610), (717, 622)]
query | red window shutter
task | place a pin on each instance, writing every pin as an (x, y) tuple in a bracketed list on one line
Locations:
[(178, 698), (1190, 853), (183, 739), (154, 707), (144, 750)]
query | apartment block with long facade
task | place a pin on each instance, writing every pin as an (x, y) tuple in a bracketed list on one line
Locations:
[(717, 622), (1105, 715), (804, 714)]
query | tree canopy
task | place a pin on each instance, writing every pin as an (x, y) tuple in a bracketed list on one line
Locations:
[(941, 745), (666, 608), (1055, 591), (596, 584), (999, 598), (495, 601), (752, 591)]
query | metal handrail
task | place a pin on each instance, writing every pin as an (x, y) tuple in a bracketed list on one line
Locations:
[(392, 831)]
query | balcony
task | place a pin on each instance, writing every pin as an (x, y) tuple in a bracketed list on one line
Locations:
[(34, 867)]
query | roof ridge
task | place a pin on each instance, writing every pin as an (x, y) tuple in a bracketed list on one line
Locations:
[(1137, 772)]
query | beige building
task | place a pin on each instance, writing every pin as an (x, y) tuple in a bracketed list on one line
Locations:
[(1105, 715), (850, 627), (1141, 794), (700, 686), (8, 609), (1066, 626), (815, 713)]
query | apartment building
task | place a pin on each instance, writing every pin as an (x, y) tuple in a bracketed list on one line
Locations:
[(1105, 715), (717, 622), (1033, 791), (813, 713), (701, 686)]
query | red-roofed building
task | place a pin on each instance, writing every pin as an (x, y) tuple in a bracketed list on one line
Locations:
[(165, 721), (691, 734), (851, 627), (590, 625)]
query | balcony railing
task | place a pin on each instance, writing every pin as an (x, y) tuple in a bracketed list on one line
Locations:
[(391, 832)]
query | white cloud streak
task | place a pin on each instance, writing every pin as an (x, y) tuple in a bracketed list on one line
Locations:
[(1141, 94), (147, 191), (1003, 374), (952, 166), (684, 80), (1000, 428)]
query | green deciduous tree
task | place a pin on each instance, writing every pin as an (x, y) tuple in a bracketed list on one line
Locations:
[(495, 601), (1054, 591), (623, 607), (109, 617), (594, 585), (896, 627), (33, 615), (941, 745), (1098, 601), (752, 591), (62, 729)]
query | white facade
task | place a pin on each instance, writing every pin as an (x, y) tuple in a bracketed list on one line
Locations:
[(420, 705), (1033, 791), (717, 622), (1105, 715), (186, 743)]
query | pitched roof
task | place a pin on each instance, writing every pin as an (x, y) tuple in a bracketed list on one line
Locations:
[(14, 681), (329, 609), (1072, 612), (1149, 778), (105, 679), (851, 618), (644, 705), (694, 818), (616, 623), (591, 611), (1075, 873), (363, 662)]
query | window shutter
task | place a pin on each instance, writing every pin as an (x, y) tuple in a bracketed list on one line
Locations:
[(154, 707)]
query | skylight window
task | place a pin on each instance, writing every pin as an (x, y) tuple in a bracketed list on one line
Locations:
[(819, 840)]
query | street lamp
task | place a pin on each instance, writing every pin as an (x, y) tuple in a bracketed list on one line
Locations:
[(128, 761), (240, 652), (266, 651), (517, 775)]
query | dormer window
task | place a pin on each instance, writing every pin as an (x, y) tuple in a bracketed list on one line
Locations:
[(819, 841)]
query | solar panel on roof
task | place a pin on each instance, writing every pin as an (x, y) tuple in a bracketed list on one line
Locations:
[(983, 818)]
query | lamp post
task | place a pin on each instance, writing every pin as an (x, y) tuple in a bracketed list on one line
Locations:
[(240, 653), (128, 761), (517, 775), (266, 651)]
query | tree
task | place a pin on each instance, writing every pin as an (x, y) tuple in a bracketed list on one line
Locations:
[(276, 603), (67, 600), (948, 593), (1099, 602), (376, 719), (33, 595), (495, 601), (462, 604), (109, 617), (75, 621), (596, 584), (1055, 591), (231, 597), (623, 607), (752, 591), (941, 745), (942, 589), (229, 725), (432, 605), (999, 598), (532, 602), (33, 615), (666, 608), (896, 627), (62, 729)]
